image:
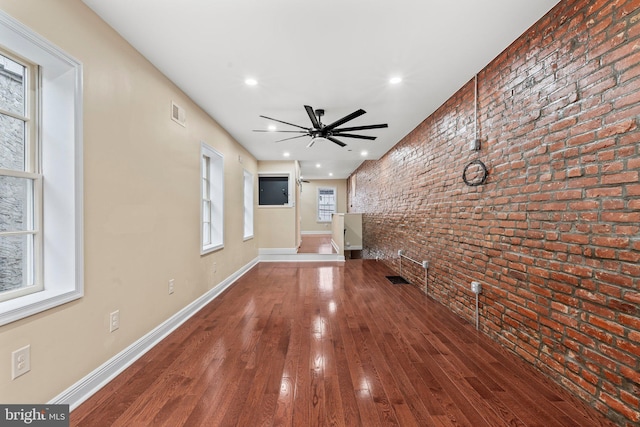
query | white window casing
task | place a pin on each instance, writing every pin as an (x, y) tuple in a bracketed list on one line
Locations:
[(212, 199), (327, 203), (248, 204), (57, 193)]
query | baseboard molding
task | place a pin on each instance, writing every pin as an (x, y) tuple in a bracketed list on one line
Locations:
[(301, 257), (277, 251), (307, 233), (94, 381)]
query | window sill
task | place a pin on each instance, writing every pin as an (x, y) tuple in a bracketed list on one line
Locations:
[(28, 305), (209, 249), (246, 238)]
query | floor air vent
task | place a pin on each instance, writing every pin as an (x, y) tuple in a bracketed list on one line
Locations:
[(397, 280)]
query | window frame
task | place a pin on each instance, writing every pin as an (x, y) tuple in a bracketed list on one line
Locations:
[(31, 171), (335, 204), (248, 202), (60, 157), (211, 194)]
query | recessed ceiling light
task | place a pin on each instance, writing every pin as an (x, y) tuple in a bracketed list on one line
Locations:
[(317, 165), (286, 154), (395, 80), (364, 153), (251, 82), (330, 173), (272, 128)]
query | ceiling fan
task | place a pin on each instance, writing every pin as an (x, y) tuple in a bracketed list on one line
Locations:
[(330, 131)]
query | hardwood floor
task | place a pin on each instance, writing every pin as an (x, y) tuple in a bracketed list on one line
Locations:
[(311, 344), (316, 244)]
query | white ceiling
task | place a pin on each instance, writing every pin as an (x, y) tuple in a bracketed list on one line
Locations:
[(334, 54)]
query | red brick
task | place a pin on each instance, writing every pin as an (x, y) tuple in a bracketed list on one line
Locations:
[(613, 242), (629, 398), (621, 178), (631, 374), (633, 217), (604, 192), (629, 347), (621, 357), (621, 407)]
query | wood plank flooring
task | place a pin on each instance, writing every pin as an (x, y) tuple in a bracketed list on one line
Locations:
[(312, 344), (316, 244)]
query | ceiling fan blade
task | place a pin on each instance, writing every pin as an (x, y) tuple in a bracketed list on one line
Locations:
[(380, 126), (345, 119), (350, 135), (285, 131), (336, 141), (293, 137), (312, 117), (286, 123)]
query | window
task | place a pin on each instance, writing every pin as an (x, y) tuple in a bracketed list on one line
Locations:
[(40, 174), (274, 190), (212, 213), (20, 180), (326, 204), (248, 205)]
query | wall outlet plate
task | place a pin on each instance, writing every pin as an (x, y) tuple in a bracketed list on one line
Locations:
[(114, 321), (476, 288), (20, 361), (172, 284)]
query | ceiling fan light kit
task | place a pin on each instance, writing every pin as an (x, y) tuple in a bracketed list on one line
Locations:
[(321, 132)]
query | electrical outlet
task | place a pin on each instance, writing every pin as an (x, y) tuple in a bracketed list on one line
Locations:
[(114, 321), (215, 267), (476, 288), (20, 361), (172, 283)]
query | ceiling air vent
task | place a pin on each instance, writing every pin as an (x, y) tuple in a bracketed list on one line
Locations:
[(178, 114)]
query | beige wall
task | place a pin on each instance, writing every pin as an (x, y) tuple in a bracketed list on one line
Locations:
[(141, 207), (309, 203), (277, 225)]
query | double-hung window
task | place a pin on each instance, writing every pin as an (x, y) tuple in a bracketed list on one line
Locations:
[(212, 212), (248, 205), (41, 230), (326, 204), (20, 179)]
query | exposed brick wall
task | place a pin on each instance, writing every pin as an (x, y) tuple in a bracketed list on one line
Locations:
[(554, 233)]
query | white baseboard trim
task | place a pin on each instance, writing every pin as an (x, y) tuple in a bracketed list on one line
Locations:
[(277, 251), (94, 381), (305, 233), (301, 257)]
